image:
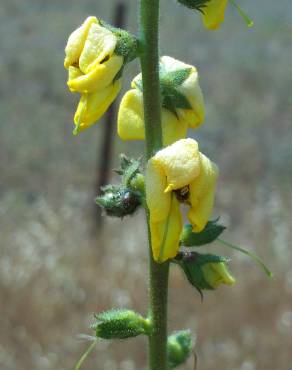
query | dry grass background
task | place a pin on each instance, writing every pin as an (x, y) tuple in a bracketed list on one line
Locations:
[(54, 272)]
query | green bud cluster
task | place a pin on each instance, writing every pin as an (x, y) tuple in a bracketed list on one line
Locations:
[(119, 324), (123, 199), (118, 201), (179, 346)]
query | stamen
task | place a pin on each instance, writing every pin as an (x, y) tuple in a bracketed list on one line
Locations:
[(182, 194)]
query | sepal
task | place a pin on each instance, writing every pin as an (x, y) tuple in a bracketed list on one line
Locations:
[(130, 171), (195, 4), (210, 233), (119, 324), (127, 45), (179, 347)]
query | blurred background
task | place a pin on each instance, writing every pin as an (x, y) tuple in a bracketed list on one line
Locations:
[(57, 267)]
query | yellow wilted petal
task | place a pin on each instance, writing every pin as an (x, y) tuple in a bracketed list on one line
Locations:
[(131, 120), (99, 45), (157, 201), (165, 234), (93, 105), (199, 215), (76, 42), (214, 13), (131, 116), (180, 163), (202, 192), (98, 78), (73, 73), (172, 128), (200, 186), (171, 64)]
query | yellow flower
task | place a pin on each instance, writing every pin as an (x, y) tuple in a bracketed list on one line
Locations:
[(182, 103), (92, 69), (216, 274), (214, 13), (90, 57), (177, 174), (93, 105)]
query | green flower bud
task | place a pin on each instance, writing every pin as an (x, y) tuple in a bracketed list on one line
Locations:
[(210, 233), (205, 271), (138, 183), (118, 201), (179, 346), (119, 324), (130, 170)]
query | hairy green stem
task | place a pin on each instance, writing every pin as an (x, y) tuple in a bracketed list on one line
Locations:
[(158, 273)]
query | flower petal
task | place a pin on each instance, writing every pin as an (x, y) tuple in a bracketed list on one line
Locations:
[(180, 163), (131, 120), (131, 116), (99, 45), (202, 193), (98, 78), (165, 235), (192, 91), (214, 13), (76, 42), (158, 201), (93, 105), (172, 128)]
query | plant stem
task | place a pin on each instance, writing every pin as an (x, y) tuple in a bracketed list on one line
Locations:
[(149, 56), (158, 273)]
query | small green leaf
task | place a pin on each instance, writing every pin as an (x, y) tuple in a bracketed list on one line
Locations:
[(119, 324), (210, 233)]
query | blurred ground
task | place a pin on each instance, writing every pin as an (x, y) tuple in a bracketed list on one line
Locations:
[(54, 272)]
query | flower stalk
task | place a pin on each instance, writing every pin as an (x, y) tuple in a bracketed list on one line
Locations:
[(158, 273)]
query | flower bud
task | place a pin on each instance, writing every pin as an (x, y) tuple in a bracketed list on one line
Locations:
[(205, 271), (179, 346), (118, 201), (216, 273), (119, 324)]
